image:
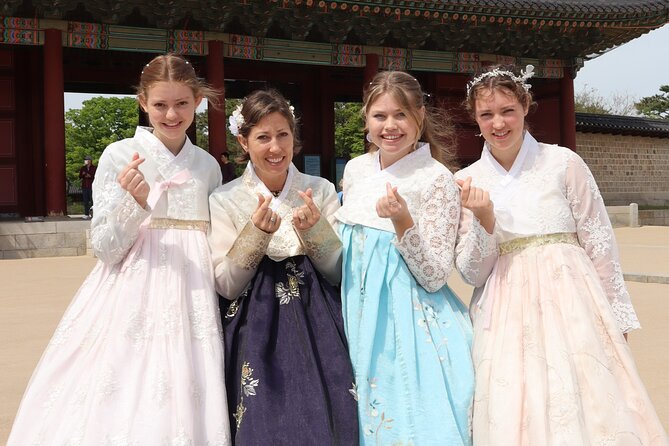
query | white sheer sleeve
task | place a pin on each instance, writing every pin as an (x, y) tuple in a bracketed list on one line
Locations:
[(117, 216), (596, 236), (321, 241), (476, 251), (235, 255), (428, 246)]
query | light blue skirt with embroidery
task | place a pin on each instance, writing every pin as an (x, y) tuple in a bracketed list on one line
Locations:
[(410, 349)]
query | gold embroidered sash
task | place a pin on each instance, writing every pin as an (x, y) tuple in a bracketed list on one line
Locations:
[(519, 244), (170, 223)]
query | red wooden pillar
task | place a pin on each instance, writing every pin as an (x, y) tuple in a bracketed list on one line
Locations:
[(54, 124), (216, 118), (371, 68), (567, 111), (327, 124)]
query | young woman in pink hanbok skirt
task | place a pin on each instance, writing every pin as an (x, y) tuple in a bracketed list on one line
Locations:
[(138, 358), (551, 312)]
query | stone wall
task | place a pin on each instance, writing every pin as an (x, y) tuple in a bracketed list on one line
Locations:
[(628, 169), (20, 240)]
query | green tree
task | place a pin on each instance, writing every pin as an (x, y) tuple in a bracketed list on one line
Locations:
[(349, 134), (589, 100), (656, 106), (202, 128), (99, 122)]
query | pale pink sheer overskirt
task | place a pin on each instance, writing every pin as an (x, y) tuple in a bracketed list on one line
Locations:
[(137, 358), (552, 367)]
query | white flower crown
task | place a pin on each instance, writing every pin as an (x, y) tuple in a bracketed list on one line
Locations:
[(236, 120), (525, 74)]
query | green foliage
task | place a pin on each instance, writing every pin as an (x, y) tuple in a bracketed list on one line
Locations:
[(100, 122), (202, 129), (349, 134), (656, 106), (589, 100)]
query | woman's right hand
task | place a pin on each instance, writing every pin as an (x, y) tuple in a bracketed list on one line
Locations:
[(478, 201), (265, 218), (132, 180)]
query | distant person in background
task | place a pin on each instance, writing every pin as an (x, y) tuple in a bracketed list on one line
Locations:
[(227, 168), (87, 175), (340, 194)]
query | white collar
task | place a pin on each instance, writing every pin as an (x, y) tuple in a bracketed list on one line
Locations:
[(146, 134), (422, 151), (256, 184), (529, 146)]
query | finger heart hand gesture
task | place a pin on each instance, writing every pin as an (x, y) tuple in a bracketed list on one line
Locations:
[(475, 199), (132, 180), (307, 215), (391, 205), (264, 218)]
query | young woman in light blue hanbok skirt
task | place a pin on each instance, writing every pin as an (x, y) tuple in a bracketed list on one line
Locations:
[(409, 335)]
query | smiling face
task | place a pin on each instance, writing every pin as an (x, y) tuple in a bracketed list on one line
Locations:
[(171, 110), (501, 120), (270, 147), (391, 129)]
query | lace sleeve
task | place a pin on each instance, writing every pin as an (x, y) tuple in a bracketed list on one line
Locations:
[(235, 255), (596, 236), (117, 216), (427, 247), (321, 241), (476, 251)]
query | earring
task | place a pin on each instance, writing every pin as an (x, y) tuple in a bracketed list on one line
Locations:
[(478, 134), (368, 138)]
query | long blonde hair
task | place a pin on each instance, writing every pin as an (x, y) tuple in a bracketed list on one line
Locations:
[(434, 126)]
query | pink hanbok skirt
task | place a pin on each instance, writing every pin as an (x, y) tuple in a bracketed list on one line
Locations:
[(552, 366), (138, 357)]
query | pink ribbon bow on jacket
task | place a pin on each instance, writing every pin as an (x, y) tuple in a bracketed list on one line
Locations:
[(156, 192)]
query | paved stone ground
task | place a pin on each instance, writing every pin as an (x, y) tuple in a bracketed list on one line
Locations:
[(35, 293)]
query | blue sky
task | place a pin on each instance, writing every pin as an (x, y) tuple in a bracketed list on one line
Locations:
[(637, 68)]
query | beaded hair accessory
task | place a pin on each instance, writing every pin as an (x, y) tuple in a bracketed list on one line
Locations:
[(149, 64), (525, 74), (236, 120)]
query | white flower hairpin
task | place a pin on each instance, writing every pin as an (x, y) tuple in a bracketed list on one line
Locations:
[(525, 74), (236, 120)]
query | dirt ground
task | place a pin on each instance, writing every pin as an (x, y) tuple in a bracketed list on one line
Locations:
[(36, 292)]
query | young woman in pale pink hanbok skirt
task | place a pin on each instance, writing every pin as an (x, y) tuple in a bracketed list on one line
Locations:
[(138, 357), (550, 308)]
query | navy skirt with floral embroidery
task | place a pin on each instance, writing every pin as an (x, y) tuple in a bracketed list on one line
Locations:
[(288, 373)]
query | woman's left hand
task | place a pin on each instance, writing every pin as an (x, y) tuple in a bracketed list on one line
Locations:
[(307, 215)]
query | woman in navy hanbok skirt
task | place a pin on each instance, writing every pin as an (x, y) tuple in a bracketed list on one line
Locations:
[(276, 256)]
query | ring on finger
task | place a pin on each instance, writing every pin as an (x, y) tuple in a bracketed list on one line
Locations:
[(301, 215), (272, 219)]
